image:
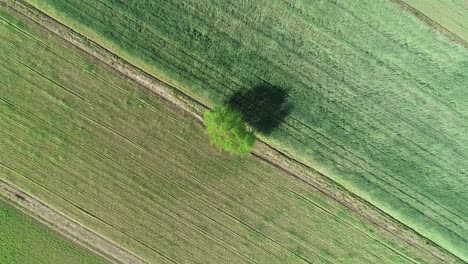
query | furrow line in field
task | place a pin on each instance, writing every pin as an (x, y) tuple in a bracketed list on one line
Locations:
[(50, 80), (74, 41), (320, 208), (12, 25)]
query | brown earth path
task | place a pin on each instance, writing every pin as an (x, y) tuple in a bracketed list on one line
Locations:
[(264, 151), (66, 226)]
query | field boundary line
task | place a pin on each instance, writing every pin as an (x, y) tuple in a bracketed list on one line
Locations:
[(66, 226), (432, 23), (263, 150)]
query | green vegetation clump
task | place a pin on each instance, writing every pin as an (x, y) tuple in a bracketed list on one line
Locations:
[(228, 131)]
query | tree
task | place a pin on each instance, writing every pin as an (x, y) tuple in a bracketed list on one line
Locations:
[(228, 131)]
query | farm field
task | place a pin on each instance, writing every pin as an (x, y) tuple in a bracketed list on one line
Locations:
[(379, 97), (452, 15), (128, 165), (25, 240)]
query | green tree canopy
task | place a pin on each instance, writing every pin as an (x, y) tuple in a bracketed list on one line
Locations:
[(228, 131)]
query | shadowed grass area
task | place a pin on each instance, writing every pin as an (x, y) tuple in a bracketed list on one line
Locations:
[(264, 107)]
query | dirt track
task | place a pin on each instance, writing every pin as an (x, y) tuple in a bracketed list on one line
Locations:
[(264, 151), (67, 226)]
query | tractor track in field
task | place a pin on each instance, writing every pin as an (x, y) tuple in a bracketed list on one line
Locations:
[(263, 150)]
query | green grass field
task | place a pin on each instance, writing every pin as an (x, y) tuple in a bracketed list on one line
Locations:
[(24, 240), (452, 15), (126, 164), (379, 97)]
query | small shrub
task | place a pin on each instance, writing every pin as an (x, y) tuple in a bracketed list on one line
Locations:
[(228, 131)]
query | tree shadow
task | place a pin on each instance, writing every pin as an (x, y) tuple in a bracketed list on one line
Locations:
[(263, 107)]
